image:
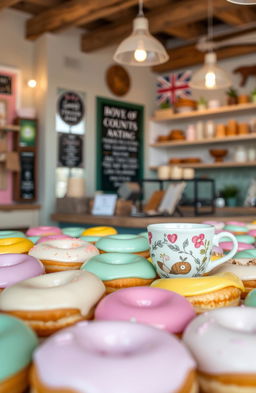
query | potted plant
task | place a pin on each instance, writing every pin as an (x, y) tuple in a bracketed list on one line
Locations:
[(232, 96), (230, 194), (253, 95), (201, 104)]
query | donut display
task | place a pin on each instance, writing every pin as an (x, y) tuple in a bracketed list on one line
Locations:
[(53, 301), (63, 254), (118, 270), (131, 244), (81, 359), (153, 306), (17, 343)]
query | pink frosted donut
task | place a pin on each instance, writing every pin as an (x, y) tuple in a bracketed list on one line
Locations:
[(113, 357), (52, 237), (18, 267), (252, 232), (217, 224), (237, 223), (153, 306), (227, 246), (43, 231)]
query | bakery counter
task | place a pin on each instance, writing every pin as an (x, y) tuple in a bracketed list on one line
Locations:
[(19, 215), (224, 214)]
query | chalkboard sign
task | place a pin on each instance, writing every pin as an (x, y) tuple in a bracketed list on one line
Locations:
[(5, 84), (71, 108), (119, 143), (70, 150), (27, 175)]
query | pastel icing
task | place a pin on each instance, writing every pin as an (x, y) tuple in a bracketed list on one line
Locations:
[(15, 245), (64, 250), (217, 224), (245, 256), (153, 306), (83, 357), (111, 266), (243, 271), (250, 299), (123, 243), (99, 231), (18, 267), (52, 237), (252, 232), (68, 289), (199, 285), (227, 246), (90, 239), (6, 234), (73, 231), (33, 238), (229, 336), (17, 343), (236, 223), (245, 239), (44, 231), (235, 229)]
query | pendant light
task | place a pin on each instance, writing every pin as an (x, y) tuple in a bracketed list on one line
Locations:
[(140, 48), (243, 2), (210, 76)]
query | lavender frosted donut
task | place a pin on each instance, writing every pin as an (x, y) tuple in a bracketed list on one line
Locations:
[(113, 357), (153, 306), (44, 231), (18, 267)]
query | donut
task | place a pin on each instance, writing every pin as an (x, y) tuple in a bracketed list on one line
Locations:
[(33, 239), (250, 300), (223, 344), (217, 224), (236, 229), (44, 231), (17, 343), (53, 301), (131, 244), (252, 232), (99, 231), (73, 231), (118, 270), (227, 246), (206, 293), (246, 239), (63, 254), (15, 245), (153, 306), (90, 239), (52, 237), (18, 267), (236, 223), (114, 357), (7, 234)]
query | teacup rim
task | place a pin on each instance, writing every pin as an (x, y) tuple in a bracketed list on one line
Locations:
[(188, 226)]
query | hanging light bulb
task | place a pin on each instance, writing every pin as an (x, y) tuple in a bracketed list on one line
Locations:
[(243, 2), (210, 76), (141, 48)]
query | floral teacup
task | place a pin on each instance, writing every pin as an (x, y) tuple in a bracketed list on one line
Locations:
[(184, 250)]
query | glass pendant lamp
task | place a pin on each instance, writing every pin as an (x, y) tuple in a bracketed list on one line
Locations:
[(243, 2), (210, 76), (141, 48)]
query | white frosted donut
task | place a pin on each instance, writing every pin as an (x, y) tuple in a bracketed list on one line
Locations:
[(223, 343), (63, 254), (243, 271), (71, 289)]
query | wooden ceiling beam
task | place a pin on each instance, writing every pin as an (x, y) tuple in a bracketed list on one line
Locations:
[(44, 3), (7, 3), (186, 32), (176, 14), (73, 13), (236, 15), (187, 56)]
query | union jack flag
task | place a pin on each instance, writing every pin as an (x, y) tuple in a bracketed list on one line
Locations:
[(172, 86)]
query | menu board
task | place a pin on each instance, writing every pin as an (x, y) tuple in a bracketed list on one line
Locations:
[(27, 175), (5, 84), (119, 143), (70, 150)]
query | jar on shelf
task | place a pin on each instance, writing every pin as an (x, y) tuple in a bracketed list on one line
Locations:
[(243, 128), (200, 130), (163, 172), (210, 129), (251, 153), (232, 128), (176, 172), (220, 131), (191, 133), (240, 154)]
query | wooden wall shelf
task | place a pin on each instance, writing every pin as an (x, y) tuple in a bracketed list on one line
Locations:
[(208, 112), (185, 143), (10, 127), (213, 165)]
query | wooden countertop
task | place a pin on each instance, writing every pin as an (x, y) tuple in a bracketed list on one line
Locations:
[(19, 206), (237, 213)]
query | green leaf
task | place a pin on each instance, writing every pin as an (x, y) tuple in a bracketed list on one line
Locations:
[(185, 243), (202, 252)]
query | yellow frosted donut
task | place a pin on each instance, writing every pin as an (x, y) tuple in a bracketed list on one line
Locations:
[(15, 245), (99, 231)]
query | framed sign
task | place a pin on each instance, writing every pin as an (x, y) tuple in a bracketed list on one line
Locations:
[(104, 204), (70, 112), (70, 150), (27, 134), (119, 143), (5, 84)]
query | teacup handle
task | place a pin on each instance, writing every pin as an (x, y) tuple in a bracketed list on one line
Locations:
[(226, 257)]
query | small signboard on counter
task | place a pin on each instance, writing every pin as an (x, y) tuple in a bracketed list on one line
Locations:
[(119, 143)]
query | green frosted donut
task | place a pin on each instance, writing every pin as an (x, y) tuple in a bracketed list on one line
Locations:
[(123, 243), (17, 343), (245, 239), (33, 238), (235, 229), (90, 239), (73, 231), (111, 266), (7, 234), (250, 299)]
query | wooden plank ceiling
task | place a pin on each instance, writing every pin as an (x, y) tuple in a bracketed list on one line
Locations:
[(107, 22)]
